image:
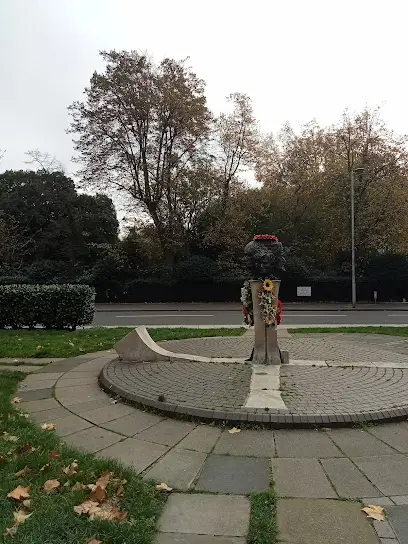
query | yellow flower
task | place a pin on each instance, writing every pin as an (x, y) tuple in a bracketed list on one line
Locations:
[(268, 285)]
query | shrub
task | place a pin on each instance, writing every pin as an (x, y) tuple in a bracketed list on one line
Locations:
[(53, 306)]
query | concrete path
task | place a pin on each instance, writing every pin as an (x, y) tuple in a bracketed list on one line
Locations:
[(321, 477)]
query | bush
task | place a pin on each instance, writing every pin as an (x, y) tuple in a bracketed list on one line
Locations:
[(53, 306)]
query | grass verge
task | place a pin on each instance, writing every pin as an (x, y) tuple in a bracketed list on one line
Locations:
[(392, 331), (53, 520), (41, 343), (262, 522)]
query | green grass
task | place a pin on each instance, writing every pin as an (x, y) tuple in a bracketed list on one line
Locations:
[(53, 519), (392, 331), (262, 523), (42, 343)]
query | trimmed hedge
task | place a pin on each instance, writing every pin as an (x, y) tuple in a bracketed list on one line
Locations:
[(52, 306)]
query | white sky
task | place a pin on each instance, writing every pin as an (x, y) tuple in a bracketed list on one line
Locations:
[(297, 59)]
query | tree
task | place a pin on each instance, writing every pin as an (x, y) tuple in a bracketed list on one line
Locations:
[(13, 245), (140, 131), (44, 161)]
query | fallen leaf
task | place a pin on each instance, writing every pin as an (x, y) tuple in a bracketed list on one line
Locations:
[(16, 400), (38, 347), (71, 344), (86, 507), (100, 511), (67, 484), (119, 491), (97, 495), (375, 512), (11, 531), (51, 485), (81, 349), (27, 448), (95, 541), (19, 493), (53, 454), (234, 430), (48, 426), (21, 516), (71, 469), (103, 479), (163, 487), (27, 503), (114, 402), (23, 472), (9, 437), (78, 487), (45, 467)]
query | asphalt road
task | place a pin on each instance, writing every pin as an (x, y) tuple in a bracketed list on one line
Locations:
[(218, 314)]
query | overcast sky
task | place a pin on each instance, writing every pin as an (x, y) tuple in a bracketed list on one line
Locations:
[(297, 59)]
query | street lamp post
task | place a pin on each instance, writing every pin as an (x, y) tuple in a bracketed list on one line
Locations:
[(353, 241)]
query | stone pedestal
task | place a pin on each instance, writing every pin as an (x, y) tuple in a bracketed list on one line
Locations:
[(266, 350)]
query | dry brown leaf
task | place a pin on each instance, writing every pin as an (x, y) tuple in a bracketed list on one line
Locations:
[(374, 512), (78, 487), (97, 495), (119, 491), (21, 516), (95, 541), (19, 493), (163, 487), (23, 472), (51, 485), (48, 426), (11, 531), (103, 479), (45, 467), (100, 511), (234, 430), (53, 454), (16, 400), (27, 503), (71, 469), (9, 437), (27, 448), (67, 484), (86, 507)]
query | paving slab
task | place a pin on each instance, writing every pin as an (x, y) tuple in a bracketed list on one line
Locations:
[(132, 424), (300, 478), (36, 385), (74, 375), (306, 443), (394, 434), (357, 442), (347, 479), (89, 405), (70, 424), (179, 538), (216, 515), (167, 432), (75, 382), (50, 415), (38, 394), (78, 398), (92, 439), (246, 443), (383, 529), (38, 405), (398, 517), (387, 472), (202, 438), (40, 377), (178, 468), (135, 453), (399, 499), (62, 366), (380, 501), (302, 521), (231, 474), (108, 413)]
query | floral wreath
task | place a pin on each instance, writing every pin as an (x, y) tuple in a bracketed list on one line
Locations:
[(271, 307)]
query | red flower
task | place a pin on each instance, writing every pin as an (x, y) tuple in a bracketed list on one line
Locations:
[(266, 237), (279, 314)]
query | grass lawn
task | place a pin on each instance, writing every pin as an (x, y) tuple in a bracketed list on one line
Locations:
[(53, 520), (393, 331), (262, 523), (41, 343)]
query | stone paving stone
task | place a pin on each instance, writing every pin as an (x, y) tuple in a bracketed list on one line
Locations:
[(231, 474), (389, 541), (50, 415), (39, 394), (70, 424), (220, 515), (96, 364), (108, 413), (246, 443), (300, 478), (357, 442), (73, 375), (394, 434), (308, 443), (202, 438), (383, 529), (133, 423), (179, 538), (398, 517), (79, 398), (347, 479), (87, 406), (399, 499), (303, 521), (40, 377), (36, 385), (167, 432), (74, 382), (38, 405), (62, 366), (92, 439), (135, 453), (388, 472), (178, 468), (380, 501)]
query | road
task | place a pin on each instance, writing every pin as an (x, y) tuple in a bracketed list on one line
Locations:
[(229, 314)]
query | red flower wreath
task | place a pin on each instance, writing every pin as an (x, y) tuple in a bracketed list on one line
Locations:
[(265, 237)]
